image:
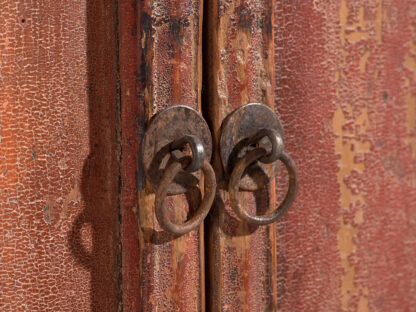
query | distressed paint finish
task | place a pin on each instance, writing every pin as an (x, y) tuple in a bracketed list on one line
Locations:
[(171, 270), (346, 95), (131, 130), (345, 91), (238, 69), (58, 157)]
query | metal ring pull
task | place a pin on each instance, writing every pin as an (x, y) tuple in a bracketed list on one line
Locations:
[(198, 151), (168, 131), (276, 141), (237, 173), (209, 193), (250, 162), (169, 170)]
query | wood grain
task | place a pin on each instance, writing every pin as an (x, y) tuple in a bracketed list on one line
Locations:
[(80, 80), (238, 69), (132, 124), (171, 270)]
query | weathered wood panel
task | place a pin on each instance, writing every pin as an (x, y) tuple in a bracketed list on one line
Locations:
[(132, 128), (238, 69), (346, 90), (171, 270), (58, 156)]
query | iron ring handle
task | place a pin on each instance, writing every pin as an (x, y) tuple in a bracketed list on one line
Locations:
[(238, 172), (210, 186), (276, 141), (197, 148)]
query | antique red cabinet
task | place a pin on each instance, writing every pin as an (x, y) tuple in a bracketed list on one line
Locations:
[(79, 82)]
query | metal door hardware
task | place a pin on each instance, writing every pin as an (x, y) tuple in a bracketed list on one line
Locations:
[(251, 141), (176, 148)]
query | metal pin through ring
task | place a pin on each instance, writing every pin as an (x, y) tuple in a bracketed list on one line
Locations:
[(276, 141), (197, 148)]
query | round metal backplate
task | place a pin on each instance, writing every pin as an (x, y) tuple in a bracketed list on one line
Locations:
[(163, 129), (236, 130)]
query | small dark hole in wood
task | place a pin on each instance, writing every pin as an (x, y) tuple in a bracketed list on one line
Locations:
[(23, 20)]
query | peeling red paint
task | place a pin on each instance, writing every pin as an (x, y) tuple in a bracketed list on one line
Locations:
[(70, 132), (342, 84), (58, 157), (171, 271), (132, 126), (238, 70)]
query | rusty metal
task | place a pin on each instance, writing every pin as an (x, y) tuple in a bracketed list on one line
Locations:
[(252, 138), (275, 140), (172, 169), (238, 171), (238, 131), (167, 131), (169, 59), (209, 193), (198, 151)]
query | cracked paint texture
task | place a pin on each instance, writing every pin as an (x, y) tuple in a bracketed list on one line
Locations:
[(58, 217), (238, 69), (170, 269), (345, 89)]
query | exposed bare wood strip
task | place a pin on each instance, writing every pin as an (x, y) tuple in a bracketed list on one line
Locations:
[(238, 69)]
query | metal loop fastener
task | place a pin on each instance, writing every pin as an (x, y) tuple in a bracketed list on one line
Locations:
[(238, 171), (198, 151), (209, 193), (276, 141), (171, 134)]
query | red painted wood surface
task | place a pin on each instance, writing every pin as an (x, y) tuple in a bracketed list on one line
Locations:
[(79, 81), (58, 156), (238, 70), (132, 124), (171, 270), (346, 94)]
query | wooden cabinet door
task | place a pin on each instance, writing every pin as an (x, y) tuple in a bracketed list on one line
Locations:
[(160, 66), (341, 77), (79, 82), (239, 69), (59, 103)]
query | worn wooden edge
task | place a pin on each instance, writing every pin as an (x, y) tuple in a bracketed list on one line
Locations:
[(217, 104)]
